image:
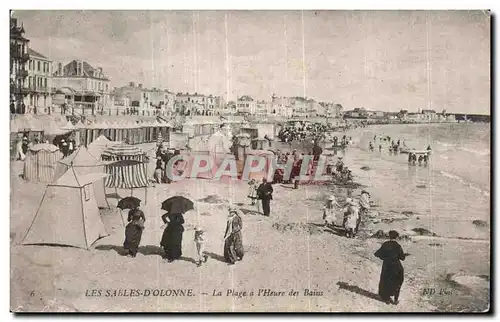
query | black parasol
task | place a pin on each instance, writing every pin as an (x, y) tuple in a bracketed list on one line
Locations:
[(129, 203), (177, 205)]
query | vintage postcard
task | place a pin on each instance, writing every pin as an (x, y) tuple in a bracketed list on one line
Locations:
[(250, 161)]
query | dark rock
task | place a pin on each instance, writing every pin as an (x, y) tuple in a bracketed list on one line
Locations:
[(423, 232), (407, 213), (421, 186), (366, 168), (480, 223)]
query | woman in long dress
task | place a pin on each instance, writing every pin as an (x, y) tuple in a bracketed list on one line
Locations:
[(171, 241), (233, 242), (133, 231), (392, 275)]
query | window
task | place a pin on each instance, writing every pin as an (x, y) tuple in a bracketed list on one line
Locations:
[(86, 191), (45, 82), (38, 69)]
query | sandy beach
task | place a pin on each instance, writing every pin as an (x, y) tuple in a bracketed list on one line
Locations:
[(306, 266)]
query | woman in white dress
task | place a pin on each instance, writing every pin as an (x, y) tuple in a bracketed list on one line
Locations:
[(352, 213)]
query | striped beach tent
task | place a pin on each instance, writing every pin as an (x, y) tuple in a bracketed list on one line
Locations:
[(40, 163), (129, 166)]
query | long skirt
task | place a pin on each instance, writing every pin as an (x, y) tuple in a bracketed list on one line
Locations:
[(391, 279), (171, 242), (133, 234), (233, 248)]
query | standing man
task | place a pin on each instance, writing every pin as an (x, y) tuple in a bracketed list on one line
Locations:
[(265, 193)]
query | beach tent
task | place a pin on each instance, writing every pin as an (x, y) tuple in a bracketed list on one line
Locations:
[(51, 128), (83, 163), (40, 162), (68, 214), (99, 145), (129, 166)]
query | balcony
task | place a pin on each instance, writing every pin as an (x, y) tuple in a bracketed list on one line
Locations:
[(24, 58), (38, 89), (22, 74)]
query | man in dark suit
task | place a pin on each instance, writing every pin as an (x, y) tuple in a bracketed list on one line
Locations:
[(265, 193)]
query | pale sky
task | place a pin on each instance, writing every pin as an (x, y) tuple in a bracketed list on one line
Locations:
[(387, 60)]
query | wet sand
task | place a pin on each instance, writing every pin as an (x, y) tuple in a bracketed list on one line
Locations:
[(289, 250)]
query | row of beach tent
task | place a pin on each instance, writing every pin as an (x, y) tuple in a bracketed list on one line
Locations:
[(131, 130), (126, 165), (69, 211)]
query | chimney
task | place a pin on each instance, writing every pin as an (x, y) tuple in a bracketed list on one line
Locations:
[(80, 63), (140, 85), (131, 84)]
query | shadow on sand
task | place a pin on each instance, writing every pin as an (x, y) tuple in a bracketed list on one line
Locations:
[(144, 250), (216, 257), (336, 230), (254, 212), (359, 290)]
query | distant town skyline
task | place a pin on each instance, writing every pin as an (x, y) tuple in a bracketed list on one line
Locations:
[(379, 60)]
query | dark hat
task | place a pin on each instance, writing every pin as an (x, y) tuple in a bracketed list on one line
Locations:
[(393, 234)]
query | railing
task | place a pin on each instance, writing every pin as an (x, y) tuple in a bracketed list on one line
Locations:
[(22, 74)]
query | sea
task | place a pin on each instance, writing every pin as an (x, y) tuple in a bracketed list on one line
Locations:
[(449, 193)]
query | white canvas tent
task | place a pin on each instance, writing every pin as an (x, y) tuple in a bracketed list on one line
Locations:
[(83, 163), (99, 145), (68, 214)]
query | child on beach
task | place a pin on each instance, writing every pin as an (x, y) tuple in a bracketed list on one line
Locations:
[(252, 191), (200, 239)]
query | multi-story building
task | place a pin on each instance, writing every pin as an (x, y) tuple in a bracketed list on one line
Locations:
[(246, 105), (87, 87), (198, 104), (19, 58), (332, 110), (139, 100), (39, 83), (281, 106)]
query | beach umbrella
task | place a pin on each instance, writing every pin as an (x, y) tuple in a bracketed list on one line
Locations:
[(177, 205), (129, 203)]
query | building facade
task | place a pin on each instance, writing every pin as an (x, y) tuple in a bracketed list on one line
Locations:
[(246, 105), (86, 89), (198, 104), (135, 99), (39, 83), (19, 58)]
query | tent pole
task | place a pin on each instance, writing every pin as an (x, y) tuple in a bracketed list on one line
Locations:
[(121, 216), (145, 195), (131, 192)]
